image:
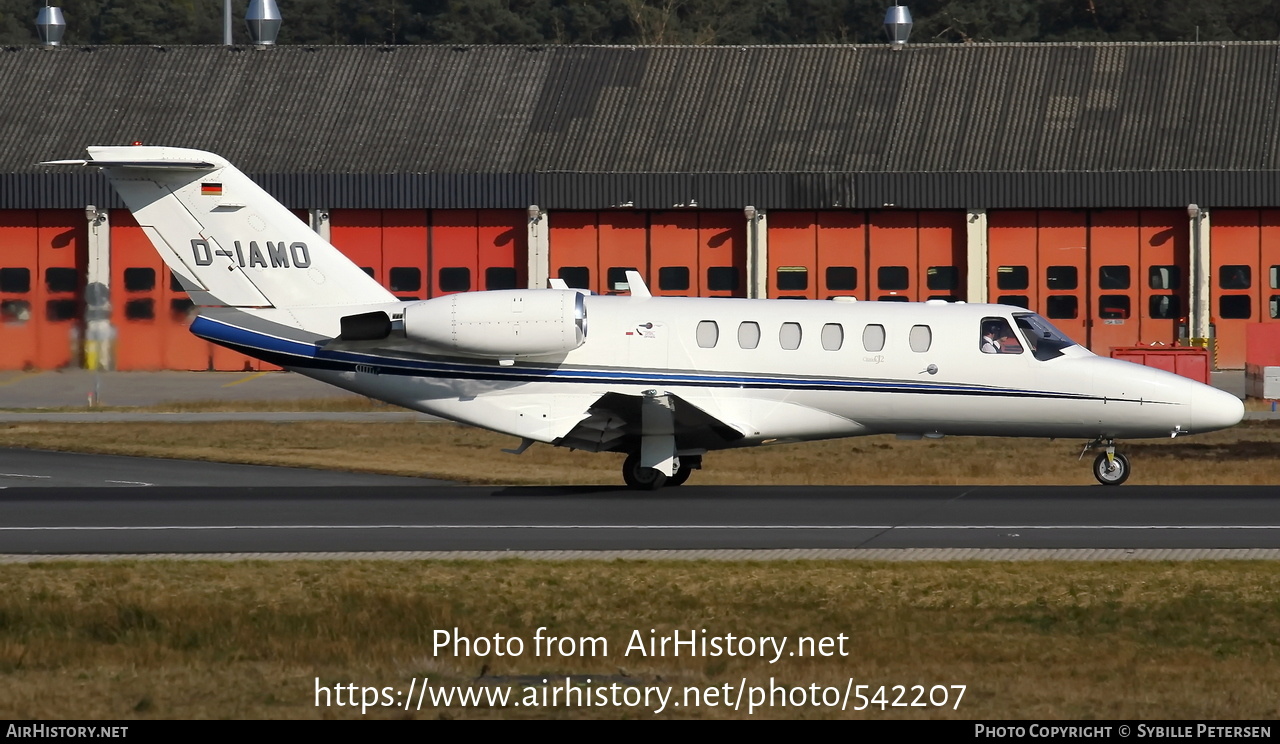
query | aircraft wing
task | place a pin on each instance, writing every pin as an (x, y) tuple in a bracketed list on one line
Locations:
[(616, 421)]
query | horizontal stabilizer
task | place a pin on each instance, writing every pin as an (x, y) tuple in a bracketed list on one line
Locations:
[(180, 165)]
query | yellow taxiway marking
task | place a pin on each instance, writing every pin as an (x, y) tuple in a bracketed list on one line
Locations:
[(20, 377), (254, 376)]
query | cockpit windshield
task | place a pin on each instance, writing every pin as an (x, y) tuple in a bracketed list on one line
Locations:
[(1045, 341)]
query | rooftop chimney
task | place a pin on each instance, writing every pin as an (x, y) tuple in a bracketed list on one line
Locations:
[(897, 24), (51, 26), (263, 20)]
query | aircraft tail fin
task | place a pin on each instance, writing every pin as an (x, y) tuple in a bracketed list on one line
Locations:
[(227, 240)]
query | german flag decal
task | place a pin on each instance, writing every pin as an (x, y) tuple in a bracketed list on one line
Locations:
[(211, 189)]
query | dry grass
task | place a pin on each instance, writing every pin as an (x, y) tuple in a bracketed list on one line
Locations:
[(1030, 640), (351, 403), (1248, 454)]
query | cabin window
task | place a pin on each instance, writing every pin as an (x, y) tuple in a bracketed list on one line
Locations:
[(893, 277), (1061, 277), (15, 311), (406, 279), (997, 337), (61, 279), (708, 334), (139, 280), (1012, 277), (1164, 277), (455, 279), (789, 336), (1113, 277), (842, 277), (56, 310), (1113, 307), (942, 277), (1018, 300), (722, 278), (368, 270), (15, 280), (1062, 306), (1165, 306), (616, 278), (921, 338), (500, 277), (748, 334), (1235, 306), (873, 338), (673, 278), (1236, 276), (578, 277), (832, 336), (140, 309), (792, 278)]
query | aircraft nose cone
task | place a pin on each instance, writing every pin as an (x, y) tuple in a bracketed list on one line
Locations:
[(1214, 409)]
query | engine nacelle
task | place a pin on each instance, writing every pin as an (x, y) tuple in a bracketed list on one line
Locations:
[(502, 324)]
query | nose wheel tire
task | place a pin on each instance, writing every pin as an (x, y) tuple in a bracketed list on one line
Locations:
[(640, 478), (1111, 473)]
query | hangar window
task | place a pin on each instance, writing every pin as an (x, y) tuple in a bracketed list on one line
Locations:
[(1061, 277), (1164, 277), (1012, 277), (1275, 277), (893, 277), (792, 278), (617, 278), (1235, 276), (832, 336), (140, 309), (500, 277), (57, 310), (1165, 306), (578, 277), (139, 280), (406, 279), (15, 311), (1019, 300), (368, 270), (944, 298), (1113, 277), (1275, 306), (175, 284), (1113, 307), (181, 310), (789, 336), (921, 338), (722, 279), (842, 277), (873, 338), (61, 279), (1235, 306), (15, 280), (673, 278), (1062, 306), (708, 334), (942, 277), (893, 298), (748, 334), (455, 279)]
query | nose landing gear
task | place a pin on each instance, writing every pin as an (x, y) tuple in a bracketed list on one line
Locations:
[(1110, 467)]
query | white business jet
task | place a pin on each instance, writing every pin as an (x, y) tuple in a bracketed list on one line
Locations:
[(663, 379)]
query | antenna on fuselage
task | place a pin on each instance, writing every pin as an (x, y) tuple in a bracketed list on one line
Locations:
[(636, 283)]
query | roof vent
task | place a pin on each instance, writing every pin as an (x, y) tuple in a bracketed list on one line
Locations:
[(51, 26), (897, 24), (263, 20)]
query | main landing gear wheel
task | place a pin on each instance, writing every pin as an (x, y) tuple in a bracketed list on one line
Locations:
[(681, 475), (1111, 472), (643, 479)]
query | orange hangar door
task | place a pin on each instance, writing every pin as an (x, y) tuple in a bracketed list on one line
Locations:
[(19, 272), (1115, 276)]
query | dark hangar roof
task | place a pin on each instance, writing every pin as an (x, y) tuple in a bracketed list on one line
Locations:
[(796, 126)]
